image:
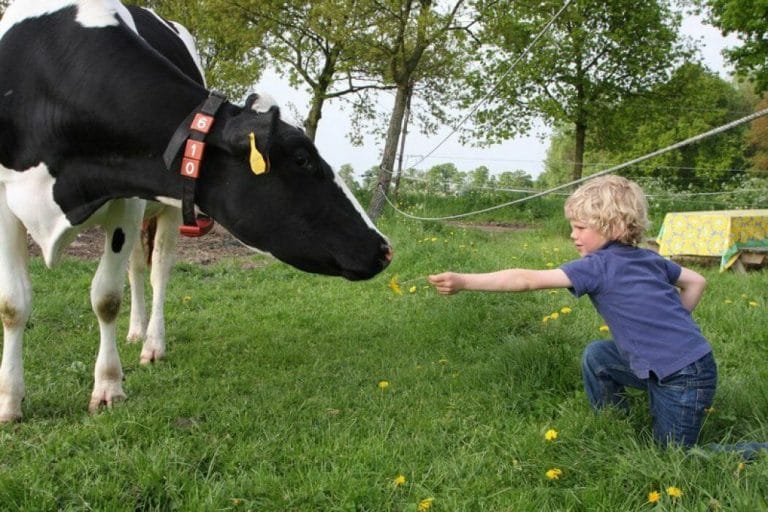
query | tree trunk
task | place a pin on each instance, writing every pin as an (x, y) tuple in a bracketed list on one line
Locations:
[(314, 115), (403, 135), (390, 151), (578, 152)]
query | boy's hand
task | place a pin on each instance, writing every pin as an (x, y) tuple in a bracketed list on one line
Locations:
[(447, 283)]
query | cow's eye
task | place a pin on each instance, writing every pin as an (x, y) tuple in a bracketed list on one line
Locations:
[(304, 162)]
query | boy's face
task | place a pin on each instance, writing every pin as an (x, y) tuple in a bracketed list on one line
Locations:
[(586, 239)]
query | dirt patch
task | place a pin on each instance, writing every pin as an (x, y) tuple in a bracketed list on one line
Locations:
[(492, 226), (204, 250)]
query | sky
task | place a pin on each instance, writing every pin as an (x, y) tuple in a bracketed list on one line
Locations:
[(522, 153)]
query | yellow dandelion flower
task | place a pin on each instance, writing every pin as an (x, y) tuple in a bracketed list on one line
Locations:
[(554, 473), (555, 315), (550, 435), (398, 481), (394, 285), (654, 497), (752, 304), (545, 319), (604, 328), (674, 492), (186, 299), (425, 504), (566, 310), (383, 384), (412, 289)]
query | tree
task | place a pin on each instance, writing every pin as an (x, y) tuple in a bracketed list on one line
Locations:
[(596, 54), (749, 20), (514, 180), (558, 163), (347, 173), (479, 178), (444, 178), (693, 101), (422, 51), (757, 138)]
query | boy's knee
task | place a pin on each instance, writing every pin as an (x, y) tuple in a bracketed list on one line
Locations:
[(592, 354)]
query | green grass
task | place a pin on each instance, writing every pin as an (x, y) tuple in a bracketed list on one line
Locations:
[(269, 398)]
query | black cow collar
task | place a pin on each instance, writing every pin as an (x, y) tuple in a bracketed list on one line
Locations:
[(193, 131)]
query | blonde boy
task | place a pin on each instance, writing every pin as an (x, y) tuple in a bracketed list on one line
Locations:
[(645, 299)]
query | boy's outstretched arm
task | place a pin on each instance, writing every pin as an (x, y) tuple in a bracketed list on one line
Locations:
[(692, 285), (510, 280)]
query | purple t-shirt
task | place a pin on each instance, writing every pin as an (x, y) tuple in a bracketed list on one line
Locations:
[(634, 291)]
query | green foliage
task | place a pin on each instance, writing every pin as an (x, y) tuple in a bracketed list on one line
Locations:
[(749, 20), (270, 398), (692, 102)]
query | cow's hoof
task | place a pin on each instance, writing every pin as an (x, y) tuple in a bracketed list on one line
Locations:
[(98, 401), (151, 356), (10, 409), (152, 352), (133, 338), (10, 418)]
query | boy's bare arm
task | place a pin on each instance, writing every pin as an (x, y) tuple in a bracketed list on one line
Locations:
[(692, 285), (510, 280)]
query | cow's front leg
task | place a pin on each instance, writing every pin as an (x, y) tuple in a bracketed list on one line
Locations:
[(163, 257), (15, 307), (121, 231)]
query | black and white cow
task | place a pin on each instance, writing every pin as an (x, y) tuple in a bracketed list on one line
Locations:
[(91, 119)]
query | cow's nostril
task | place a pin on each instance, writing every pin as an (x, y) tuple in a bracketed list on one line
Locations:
[(389, 253)]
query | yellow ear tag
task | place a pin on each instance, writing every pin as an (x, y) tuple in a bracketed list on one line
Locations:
[(258, 165)]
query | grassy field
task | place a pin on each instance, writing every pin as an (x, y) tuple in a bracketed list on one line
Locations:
[(284, 391)]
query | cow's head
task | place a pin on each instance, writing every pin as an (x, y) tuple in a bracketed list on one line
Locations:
[(299, 210)]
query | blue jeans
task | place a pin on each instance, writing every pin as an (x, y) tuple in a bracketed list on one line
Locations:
[(678, 402)]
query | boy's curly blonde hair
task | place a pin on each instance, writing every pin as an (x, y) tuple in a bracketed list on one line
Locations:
[(613, 206)]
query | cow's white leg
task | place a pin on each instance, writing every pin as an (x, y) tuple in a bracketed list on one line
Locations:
[(15, 308), (137, 267), (163, 257), (121, 230)]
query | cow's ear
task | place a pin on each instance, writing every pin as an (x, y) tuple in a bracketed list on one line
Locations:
[(239, 130), (250, 100)]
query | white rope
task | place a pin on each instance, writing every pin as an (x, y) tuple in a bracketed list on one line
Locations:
[(610, 170)]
